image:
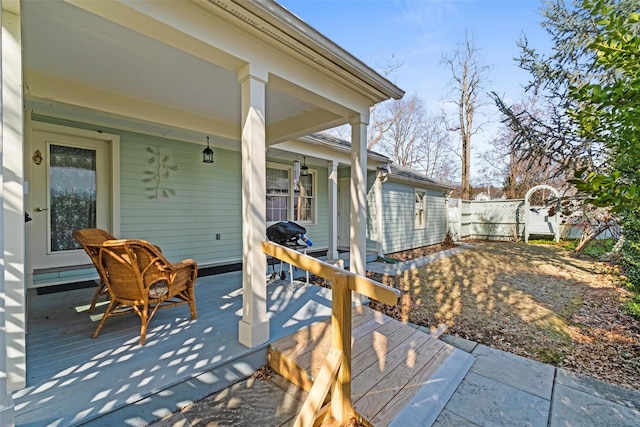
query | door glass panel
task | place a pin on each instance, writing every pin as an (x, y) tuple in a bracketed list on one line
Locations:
[(72, 194)]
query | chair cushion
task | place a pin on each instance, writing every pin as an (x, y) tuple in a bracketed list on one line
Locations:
[(158, 289)]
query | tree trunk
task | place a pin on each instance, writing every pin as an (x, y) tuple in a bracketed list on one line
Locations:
[(589, 236)]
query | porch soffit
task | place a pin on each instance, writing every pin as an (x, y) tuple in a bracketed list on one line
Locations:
[(113, 48), (79, 48), (247, 37)]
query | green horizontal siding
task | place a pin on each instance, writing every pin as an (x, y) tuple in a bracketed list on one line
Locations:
[(66, 276), (399, 232), (206, 200)]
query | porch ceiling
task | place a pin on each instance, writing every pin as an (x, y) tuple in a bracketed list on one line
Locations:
[(102, 62)]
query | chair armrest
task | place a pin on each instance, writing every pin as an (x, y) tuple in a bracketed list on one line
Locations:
[(182, 273), (186, 263)]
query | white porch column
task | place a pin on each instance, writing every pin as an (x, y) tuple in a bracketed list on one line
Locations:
[(332, 252), (358, 213), (254, 326), (12, 225)]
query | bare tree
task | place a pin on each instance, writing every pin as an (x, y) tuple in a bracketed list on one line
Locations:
[(439, 161), (379, 121), (403, 137), (416, 138), (410, 135), (468, 76)]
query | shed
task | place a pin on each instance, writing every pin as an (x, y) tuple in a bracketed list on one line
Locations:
[(410, 211)]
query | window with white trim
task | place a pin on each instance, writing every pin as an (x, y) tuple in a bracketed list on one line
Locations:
[(287, 200), (277, 195), (304, 198), (420, 209)]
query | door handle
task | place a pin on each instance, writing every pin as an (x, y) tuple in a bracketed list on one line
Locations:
[(40, 209)]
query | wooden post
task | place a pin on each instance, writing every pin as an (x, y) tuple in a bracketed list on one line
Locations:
[(336, 372), (341, 409), (312, 406)]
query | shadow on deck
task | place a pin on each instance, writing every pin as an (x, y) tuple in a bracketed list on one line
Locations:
[(112, 380)]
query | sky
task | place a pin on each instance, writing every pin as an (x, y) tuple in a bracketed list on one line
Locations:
[(417, 33)]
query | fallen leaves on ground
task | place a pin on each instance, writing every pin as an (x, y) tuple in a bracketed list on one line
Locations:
[(420, 252), (536, 301), (265, 373)]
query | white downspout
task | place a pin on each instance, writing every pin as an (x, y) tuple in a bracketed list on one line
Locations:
[(332, 252), (379, 213)]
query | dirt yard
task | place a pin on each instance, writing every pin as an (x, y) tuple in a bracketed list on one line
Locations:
[(537, 301)]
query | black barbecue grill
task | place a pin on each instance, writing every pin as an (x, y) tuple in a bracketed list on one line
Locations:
[(285, 233), (288, 234)]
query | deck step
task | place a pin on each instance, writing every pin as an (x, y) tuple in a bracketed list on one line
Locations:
[(387, 355)]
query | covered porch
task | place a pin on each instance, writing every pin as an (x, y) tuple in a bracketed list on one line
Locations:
[(112, 380), (134, 83), (161, 78), (399, 372)]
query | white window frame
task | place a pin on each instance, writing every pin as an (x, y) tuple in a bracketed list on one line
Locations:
[(420, 209), (291, 194), (312, 198)]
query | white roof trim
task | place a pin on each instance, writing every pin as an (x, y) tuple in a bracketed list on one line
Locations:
[(386, 176), (299, 34)]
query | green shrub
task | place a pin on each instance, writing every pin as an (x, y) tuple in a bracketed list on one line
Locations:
[(632, 307), (630, 253), (595, 249), (599, 247), (630, 259)]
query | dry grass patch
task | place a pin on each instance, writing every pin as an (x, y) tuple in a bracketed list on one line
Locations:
[(533, 300)]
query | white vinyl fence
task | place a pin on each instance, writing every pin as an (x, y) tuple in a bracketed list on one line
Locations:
[(497, 220)]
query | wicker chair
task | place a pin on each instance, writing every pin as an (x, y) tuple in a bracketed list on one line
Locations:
[(139, 279), (90, 239)]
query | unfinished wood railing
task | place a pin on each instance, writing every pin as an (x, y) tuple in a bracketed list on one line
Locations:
[(335, 375)]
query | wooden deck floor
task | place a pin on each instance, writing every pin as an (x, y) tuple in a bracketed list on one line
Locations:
[(392, 364), (111, 380)]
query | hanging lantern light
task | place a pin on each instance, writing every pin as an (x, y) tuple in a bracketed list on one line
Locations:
[(207, 154), (304, 169)]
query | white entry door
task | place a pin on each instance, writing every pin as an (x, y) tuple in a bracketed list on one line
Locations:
[(344, 213), (70, 189)]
